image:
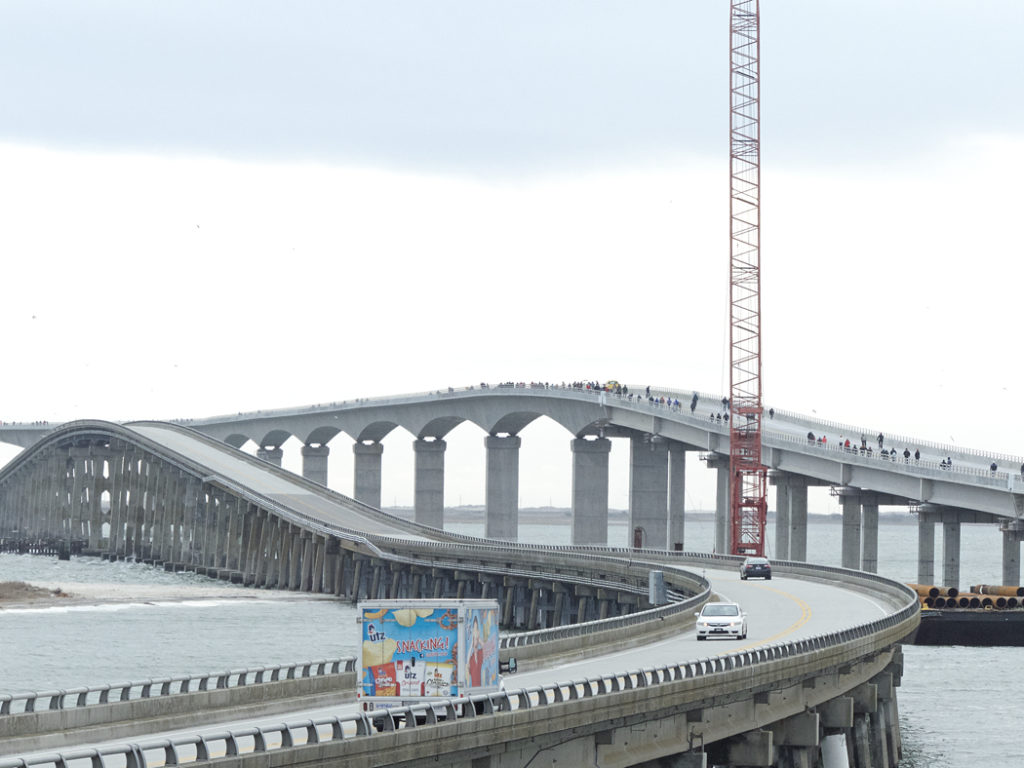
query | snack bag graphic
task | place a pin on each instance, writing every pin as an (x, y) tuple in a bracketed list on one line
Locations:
[(440, 680), (384, 681)]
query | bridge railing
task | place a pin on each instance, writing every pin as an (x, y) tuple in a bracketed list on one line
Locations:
[(705, 676), (976, 475), (73, 698)]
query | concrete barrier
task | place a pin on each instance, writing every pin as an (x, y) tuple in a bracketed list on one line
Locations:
[(51, 719)]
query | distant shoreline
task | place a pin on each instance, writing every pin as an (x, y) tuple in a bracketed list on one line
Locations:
[(563, 516)]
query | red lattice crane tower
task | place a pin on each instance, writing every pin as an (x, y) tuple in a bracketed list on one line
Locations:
[(748, 477)]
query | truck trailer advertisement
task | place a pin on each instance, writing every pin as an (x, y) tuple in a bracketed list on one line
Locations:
[(415, 649)]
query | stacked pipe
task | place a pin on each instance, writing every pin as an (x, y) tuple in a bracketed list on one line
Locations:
[(981, 596)]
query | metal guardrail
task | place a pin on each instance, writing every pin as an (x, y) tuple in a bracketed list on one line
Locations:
[(74, 698), (199, 749)]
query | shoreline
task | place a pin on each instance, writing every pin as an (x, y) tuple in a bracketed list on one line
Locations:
[(22, 595)]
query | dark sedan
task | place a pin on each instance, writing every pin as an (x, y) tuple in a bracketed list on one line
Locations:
[(758, 567)]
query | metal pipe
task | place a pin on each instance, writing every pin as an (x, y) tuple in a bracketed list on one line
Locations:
[(994, 589), (925, 590)]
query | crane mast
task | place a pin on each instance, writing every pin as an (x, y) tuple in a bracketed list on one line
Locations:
[(747, 475)]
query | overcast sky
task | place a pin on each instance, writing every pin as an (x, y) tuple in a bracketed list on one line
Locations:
[(211, 207)]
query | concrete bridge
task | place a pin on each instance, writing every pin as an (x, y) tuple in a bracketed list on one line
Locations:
[(604, 676), (942, 485)]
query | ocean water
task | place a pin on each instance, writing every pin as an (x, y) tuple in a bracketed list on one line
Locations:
[(958, 706)]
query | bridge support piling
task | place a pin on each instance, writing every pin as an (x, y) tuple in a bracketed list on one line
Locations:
[(590, 490), (849, 500), (782, 513), (314, 462), (428, 490), (754, 748), (366, 487), (1013, 532), (676, 496), (270, 453), (797, 518), (951, 553), (306, 562), (797, 740), (648, 491), (296, 559), (720, 463), (925, 548), (502, 487), (869, 535), (319, 563), (834, 751)]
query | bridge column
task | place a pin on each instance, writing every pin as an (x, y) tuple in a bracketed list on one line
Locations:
[(319, 562), (314, 462), (161, 492), (275, 552), (951, 553), (648, 491), (723, 533), (676, 496), (797, 739), (368, 472), (869, 537), (590, 490), (782, 513), (1013, 533), (502, 487), (753, 748), (798, 518), (849, 499), (271, 453), (925, 547), (790, 515), (117, 490), (78, 459), (428, 493), (307, 560), (98, 461), (295, 559)]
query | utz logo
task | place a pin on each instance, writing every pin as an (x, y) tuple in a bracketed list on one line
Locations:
[(373, 634)]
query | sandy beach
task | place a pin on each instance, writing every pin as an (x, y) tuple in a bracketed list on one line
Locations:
[(38, 594)]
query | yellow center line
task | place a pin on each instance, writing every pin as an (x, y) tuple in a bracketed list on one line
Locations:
[(805, 616)]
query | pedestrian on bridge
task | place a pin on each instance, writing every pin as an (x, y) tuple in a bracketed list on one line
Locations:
[(880, 440)]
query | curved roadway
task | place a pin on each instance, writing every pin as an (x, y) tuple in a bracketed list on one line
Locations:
[(780, 610)]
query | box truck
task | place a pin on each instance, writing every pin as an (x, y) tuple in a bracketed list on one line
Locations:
[(416, 651)]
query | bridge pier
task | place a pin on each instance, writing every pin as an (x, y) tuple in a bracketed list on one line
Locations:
[(314, 462), (723, 534), (648, 491), (1013, 534), (950, 553), (367, 473), (869, 533), (271, 453), (676, 496), (849, 500), (502, 487), (925, 547), (590, 490), (428, 493), (782, 513)]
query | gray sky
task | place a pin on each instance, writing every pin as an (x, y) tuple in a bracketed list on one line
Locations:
[(214, 207)]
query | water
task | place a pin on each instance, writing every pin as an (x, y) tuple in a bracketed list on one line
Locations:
[(958, 706)]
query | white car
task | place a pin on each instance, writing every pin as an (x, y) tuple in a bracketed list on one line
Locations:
[(721, 620)]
